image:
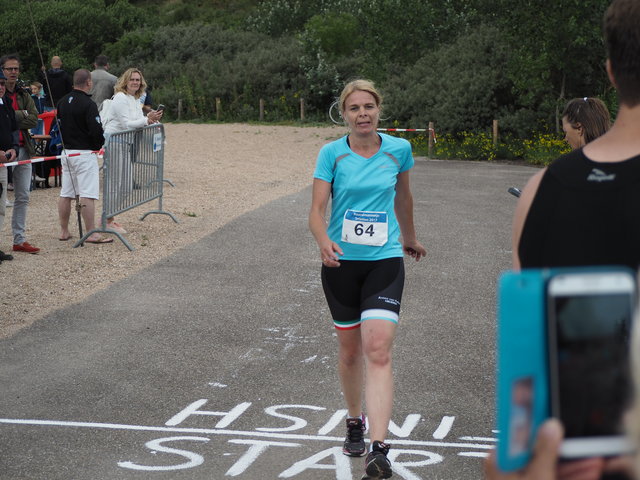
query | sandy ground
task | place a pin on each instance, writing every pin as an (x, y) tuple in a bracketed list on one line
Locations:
[(219, 172)]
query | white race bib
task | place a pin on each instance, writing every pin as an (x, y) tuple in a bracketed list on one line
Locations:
[(365, 228)]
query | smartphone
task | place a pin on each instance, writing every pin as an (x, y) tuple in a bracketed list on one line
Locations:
[(590, 317), (160, 108)]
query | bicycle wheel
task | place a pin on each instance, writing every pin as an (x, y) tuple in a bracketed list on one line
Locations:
[(334, 113)]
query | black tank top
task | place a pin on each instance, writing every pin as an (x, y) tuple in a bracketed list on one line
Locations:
[(584, 213)]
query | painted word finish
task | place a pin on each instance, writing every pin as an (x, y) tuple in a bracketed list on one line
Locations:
[(281, 442), (277, 411)]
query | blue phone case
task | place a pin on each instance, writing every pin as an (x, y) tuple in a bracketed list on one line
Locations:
[(522, 387), (522, 372)]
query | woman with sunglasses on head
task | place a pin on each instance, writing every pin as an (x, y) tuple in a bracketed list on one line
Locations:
[(584, 120)]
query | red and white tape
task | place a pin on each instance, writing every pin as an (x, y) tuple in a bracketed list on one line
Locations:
[(42, 159)]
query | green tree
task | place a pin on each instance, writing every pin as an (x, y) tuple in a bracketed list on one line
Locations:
[(460, 87), (282, 17), (72, 29), (335, 34), (556, 50)]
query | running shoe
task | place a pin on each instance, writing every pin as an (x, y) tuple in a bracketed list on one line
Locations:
[(354, 442), (4, 256), (377, 465)]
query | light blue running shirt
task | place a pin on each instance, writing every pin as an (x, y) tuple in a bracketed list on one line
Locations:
[(363, 221)]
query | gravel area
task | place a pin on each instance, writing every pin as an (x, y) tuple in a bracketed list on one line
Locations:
[(219, 172)]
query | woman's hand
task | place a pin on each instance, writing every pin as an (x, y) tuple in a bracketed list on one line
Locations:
[(414, 249), (543, 463), (154, 116), (329, 255), (582, 469)]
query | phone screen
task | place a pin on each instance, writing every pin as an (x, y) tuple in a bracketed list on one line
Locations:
[(592, 361)]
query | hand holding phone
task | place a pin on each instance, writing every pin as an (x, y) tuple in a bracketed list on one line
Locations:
[(589, 328)]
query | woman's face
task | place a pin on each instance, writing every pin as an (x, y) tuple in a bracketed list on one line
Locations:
[(572, 135), (133, 85), (361, 112)]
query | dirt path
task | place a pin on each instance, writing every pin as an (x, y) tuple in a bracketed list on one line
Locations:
[(219, 172)]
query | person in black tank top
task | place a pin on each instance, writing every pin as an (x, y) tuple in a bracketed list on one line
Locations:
[(584, 213), (584, 210)]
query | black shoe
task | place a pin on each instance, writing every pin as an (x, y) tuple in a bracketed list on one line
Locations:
[(4, 256), (377, 465), (354, 443)]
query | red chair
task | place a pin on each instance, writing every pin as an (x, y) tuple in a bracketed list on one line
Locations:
[(47, 117), (53, 166)]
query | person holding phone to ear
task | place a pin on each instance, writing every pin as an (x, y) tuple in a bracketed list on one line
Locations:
[(584, 210)]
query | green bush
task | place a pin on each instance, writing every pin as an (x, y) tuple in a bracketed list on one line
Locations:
[(197, 63), (539, 149), (465, 146), (542, 148)]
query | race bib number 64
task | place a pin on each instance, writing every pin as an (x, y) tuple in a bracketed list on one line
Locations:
[(365, 228)]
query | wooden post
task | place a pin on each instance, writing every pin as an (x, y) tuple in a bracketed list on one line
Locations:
[(261, 109), (179, 108), (218, 109), (302, 109), (495, 133), (431, 137)]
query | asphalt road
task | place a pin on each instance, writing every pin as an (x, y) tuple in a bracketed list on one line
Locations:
[(219, 361)]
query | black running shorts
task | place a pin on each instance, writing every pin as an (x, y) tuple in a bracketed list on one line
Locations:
[(361, 290)]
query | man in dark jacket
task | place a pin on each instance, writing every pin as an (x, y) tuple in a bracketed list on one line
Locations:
[(81, 134), (8, 149), (56, 82), (19, 97)]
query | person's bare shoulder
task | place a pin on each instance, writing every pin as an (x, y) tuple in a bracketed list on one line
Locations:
[(521, 212), (613, 146)]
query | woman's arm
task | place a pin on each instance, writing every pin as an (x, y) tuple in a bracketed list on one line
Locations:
[(520, 215), (404, 214), (329, 250)]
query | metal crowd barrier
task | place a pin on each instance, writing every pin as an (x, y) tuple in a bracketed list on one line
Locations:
[(132, 175)]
